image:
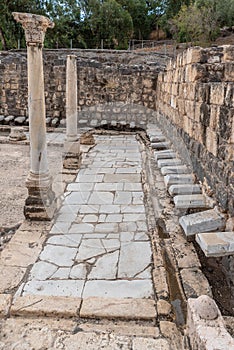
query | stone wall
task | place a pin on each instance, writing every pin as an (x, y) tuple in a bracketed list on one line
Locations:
[(193, 100), (195, 107), (107, 82)]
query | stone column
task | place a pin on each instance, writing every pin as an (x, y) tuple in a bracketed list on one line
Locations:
[(40, 202), (71, 157)]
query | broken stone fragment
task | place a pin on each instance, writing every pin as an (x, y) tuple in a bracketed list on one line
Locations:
[(17, 134)]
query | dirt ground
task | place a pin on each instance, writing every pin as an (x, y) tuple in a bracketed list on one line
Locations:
[(14, 165)]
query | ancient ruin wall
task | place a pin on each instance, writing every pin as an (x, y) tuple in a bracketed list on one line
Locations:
[(195, 104), (111, 85)]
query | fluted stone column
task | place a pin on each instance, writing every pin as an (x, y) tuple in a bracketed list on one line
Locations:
[(40, 202), (71, 158)]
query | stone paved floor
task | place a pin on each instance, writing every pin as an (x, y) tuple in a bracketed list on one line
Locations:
[(98, 245)]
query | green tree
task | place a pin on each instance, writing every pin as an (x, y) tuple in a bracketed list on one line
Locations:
[(197, 23), (66, 16), (138, 10), (112, 24), (10, 31)]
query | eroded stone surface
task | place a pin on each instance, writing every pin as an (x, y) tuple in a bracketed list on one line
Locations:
[(205, 221), (216, 243), (118, 308)]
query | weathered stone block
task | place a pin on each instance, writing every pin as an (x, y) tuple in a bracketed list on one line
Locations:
[(194, 55), (129, 309), (165, 154), (184, 189), (195, 283), (173, 179), (190, 201), (216, 243), (174, 169), (169, 162), (217, 93), (205, 325), (205, 221), (229, 72), (160, 145)]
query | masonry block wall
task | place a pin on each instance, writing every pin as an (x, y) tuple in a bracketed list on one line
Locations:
[(111, 85), (195, 107)]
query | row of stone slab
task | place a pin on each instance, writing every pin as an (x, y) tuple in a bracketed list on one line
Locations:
[(207, 224)]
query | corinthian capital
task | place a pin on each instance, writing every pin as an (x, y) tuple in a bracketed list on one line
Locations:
[(35, 27)]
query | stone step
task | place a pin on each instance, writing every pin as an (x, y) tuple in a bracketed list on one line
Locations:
[(165, 154), (160, 145), (169, 162), (184, 189), (172, 169), (175, 179), (189, 201), (205, 221), (215, 244)]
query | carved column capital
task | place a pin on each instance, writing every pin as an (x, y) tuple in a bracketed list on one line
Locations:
[(35, 27)]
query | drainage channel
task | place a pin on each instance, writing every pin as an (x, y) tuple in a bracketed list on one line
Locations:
[(158, 224)]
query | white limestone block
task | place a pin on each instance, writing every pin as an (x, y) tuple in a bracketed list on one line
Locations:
[(216, 243), (160, 145), (175, 179), (174, 169), (165, 154), (184, 189), (205, 221), (190, 201), (170, 162)]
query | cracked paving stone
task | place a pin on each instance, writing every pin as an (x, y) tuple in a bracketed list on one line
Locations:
[(105, 267), (42, 270), (90, 248), (72, 240), (58, 255), (129, 262), (81, 228), (101, 198), (70, 288), (62, 273), (77, 198), (79, 271)]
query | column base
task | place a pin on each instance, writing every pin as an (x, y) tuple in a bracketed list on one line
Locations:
[(71, 155), (72, 160), (40, 204)]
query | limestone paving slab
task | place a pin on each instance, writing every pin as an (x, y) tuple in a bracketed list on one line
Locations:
[(41, 305), (129, 262), (58, 255), (68, 240), (66, 288), (118, 308), (42, 270), (119, 289)]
